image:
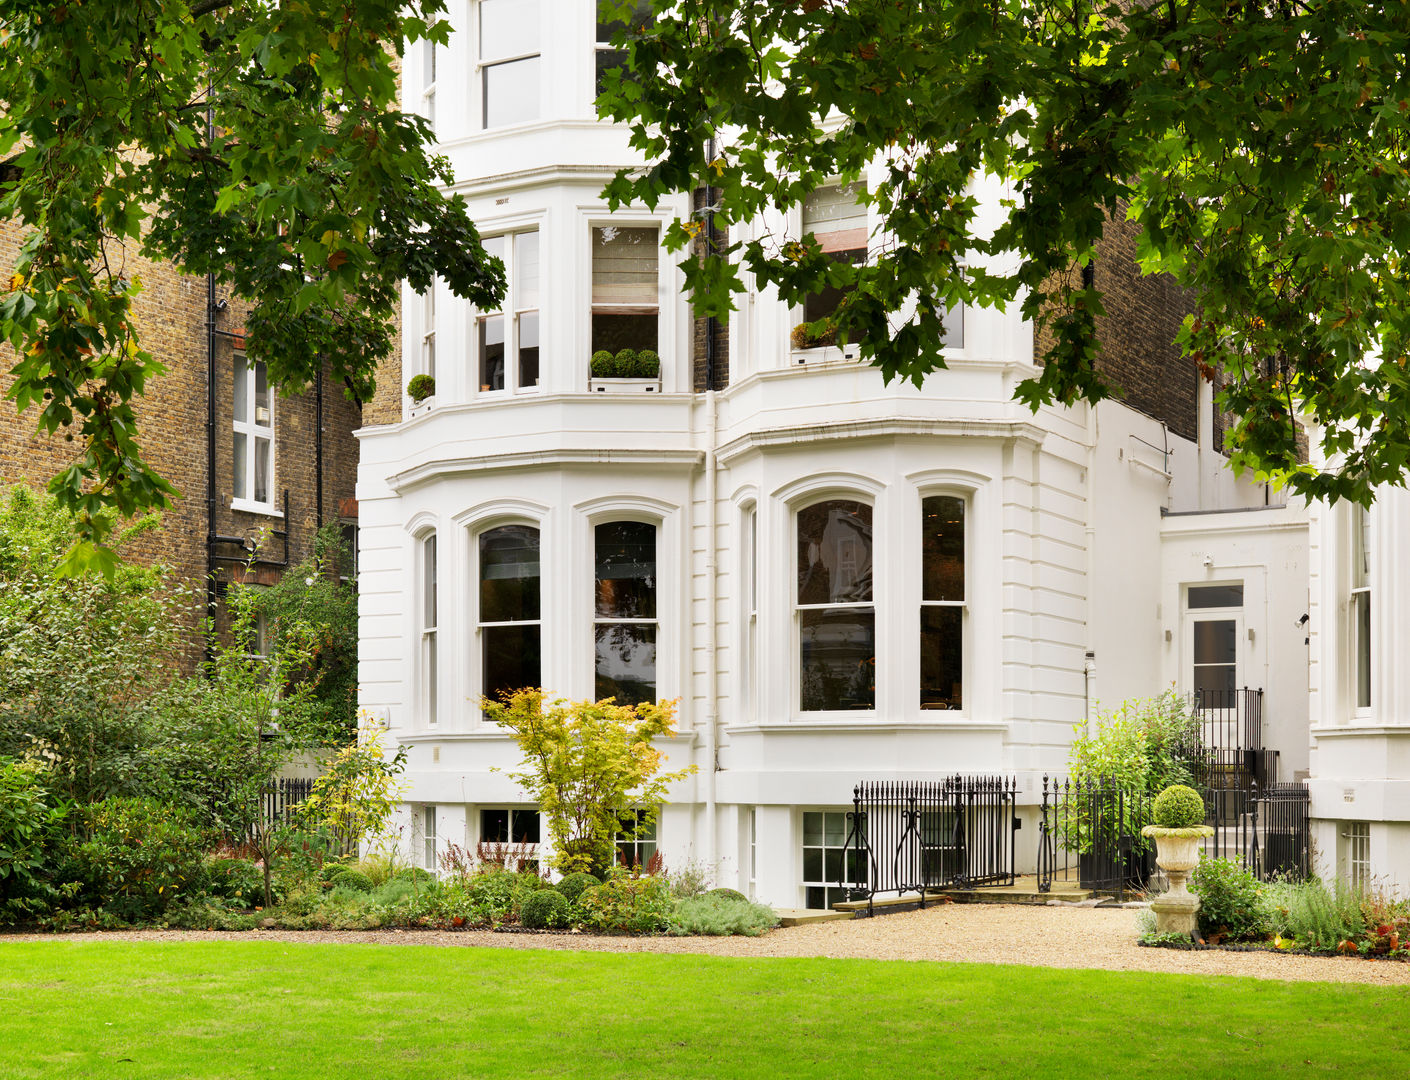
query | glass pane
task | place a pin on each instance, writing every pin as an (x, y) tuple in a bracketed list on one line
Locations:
[(835, 825), (625, 262), (834, 553), (526, 826), (511, 93), (526, 270), (242, 390), (607, 28), (626, 570), (263, 416), (832, 865), (428, 62), (1216, 642), (432, 677), (508, 28), (812, 864), (262, 480), (428, 581), (953, 321), (511, 659), (494, 245), (242, 490), (838, 661), (1215, 684), (492, 353), (509, 575), (941, 657), (494, 826), (626, 662), (529, 349), (1206, 596), (816, 898), (812, 829), (942, 547), (615, 332), (1363, 649), (607, 60), (837, 217)]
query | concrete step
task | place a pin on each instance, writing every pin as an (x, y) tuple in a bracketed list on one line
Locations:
[(804, 916)]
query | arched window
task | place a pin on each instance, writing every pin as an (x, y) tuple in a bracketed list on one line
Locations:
[(509, 624), (428, 667), (942, 602), (624, 621), (836, 613)]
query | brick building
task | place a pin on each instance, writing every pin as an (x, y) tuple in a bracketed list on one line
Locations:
[(297, 456)]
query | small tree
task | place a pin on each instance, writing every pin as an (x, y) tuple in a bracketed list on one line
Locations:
[(359, 789), (588, 764)]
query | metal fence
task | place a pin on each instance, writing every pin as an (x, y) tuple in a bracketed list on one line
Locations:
[(909, 837), (283, 796), (1090, 832)]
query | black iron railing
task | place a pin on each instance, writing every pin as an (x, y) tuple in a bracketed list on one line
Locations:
[(282, 797), (1230, 720), (910, 837)]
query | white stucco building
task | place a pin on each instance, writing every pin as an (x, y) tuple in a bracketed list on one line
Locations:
[(838, 579)]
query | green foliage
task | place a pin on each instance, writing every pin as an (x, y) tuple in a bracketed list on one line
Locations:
[(416, 875), (604, 365), (572, 885), (31, 821), (732, 895), (547, 909), (646, 365), (237, 880), (355, 796), (1138, 746), (351, 878), (1259, 148), (261, 143), (626, 364), (1177, 807), (587, 765), (133, 857), (420, 387), (1313, 915), (634, 905), (716, 915), (1230, 899)]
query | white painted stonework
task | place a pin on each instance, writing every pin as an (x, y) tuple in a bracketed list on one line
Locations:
[(1084, 529)]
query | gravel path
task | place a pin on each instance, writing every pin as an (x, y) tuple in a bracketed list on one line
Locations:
[(1103, 938)]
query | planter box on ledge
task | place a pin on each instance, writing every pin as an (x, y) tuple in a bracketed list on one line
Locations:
[(625, 386)]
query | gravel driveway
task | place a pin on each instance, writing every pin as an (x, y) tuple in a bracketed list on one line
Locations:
[(1059, 937)]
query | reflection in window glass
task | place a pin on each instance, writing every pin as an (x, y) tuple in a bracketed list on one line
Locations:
[(509, 609), (838, 222), (942, 602), (636, 839), (1216, 596), (832, 870), (625, 611), (609, 58), (625, 288), (837, 620)]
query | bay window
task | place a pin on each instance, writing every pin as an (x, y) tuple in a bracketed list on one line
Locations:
[(253, 459), (835, 609), (625, 622), (625, 288), (942, 604), (509, 62), (507, 341), (509, 624)]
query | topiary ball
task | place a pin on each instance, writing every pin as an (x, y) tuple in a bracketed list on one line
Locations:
[(547, 909), (604, 364), (729, 894), (421, 387), (417, 874), (626, 364), (572, 886), (1178, 807), (648, 364), (348, 878)]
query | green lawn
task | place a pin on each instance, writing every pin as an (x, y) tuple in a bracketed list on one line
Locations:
[(265, 1008)]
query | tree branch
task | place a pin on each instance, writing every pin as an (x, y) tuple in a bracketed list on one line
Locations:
[(207, 6)]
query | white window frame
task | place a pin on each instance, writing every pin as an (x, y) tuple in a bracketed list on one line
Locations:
[(428, 837), (512, 312), (1360, 610), (533, 853), (655, 621), (483, 63), (966, 502), (600, 46), (750, 574), (636, 843), (663, 263), (429, 64), (480, 530), (805, 883), (254, 432), (797, 609), (428, 612), (1357, 836)]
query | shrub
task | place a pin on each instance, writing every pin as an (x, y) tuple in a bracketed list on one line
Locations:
[(237, 880), (1178, 807), (573, 885), (135, 856), (634, 905), (647, 365), (350, 878), (1230, 900), (545, 910), (420, 387), (1312, 914), (626, 364), (732, 895), (604, 365), (803, 338), (416, 875), (29, 831), (718, 915)]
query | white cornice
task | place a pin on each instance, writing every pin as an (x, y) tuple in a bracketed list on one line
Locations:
[(442, 468), (888, 427)]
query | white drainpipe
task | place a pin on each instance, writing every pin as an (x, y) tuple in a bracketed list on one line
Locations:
[(712, 668)]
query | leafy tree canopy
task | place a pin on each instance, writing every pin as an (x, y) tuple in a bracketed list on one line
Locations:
[(1260, 145), (255, 140)]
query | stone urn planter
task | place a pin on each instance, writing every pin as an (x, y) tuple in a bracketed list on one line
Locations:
[(1177, 853)]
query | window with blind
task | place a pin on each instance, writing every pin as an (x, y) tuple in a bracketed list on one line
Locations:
[(507, 341), (625, 288), (838, 221), (942, 602), (509, 609), (836, 612), (509, 62), (624, 625)]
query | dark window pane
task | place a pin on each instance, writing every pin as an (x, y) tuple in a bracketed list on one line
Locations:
[(1206, 596), (942, 547), (608, 28), (941, 657), (838, 669), (511, 659), (812, 829), (492, 353), (834, 553), (1362, 601), (494, 826), (529, 349), (626, 570), (816, 898), (509, 574), (1215, 683), (832, 865), (822, 304), (1216, 642), (607, 59), (812, 864), (616, 331), (526, 826), (626, 662), (836, 829)]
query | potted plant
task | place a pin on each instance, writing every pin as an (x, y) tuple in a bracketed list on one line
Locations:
[(627, 370), (1178, 829), (421, 387)]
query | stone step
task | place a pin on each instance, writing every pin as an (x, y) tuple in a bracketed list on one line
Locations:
[(804, 916)]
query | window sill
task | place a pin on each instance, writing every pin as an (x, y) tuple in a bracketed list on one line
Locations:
[(827, 354), (417, 408), (247, 507), (624, 386)]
